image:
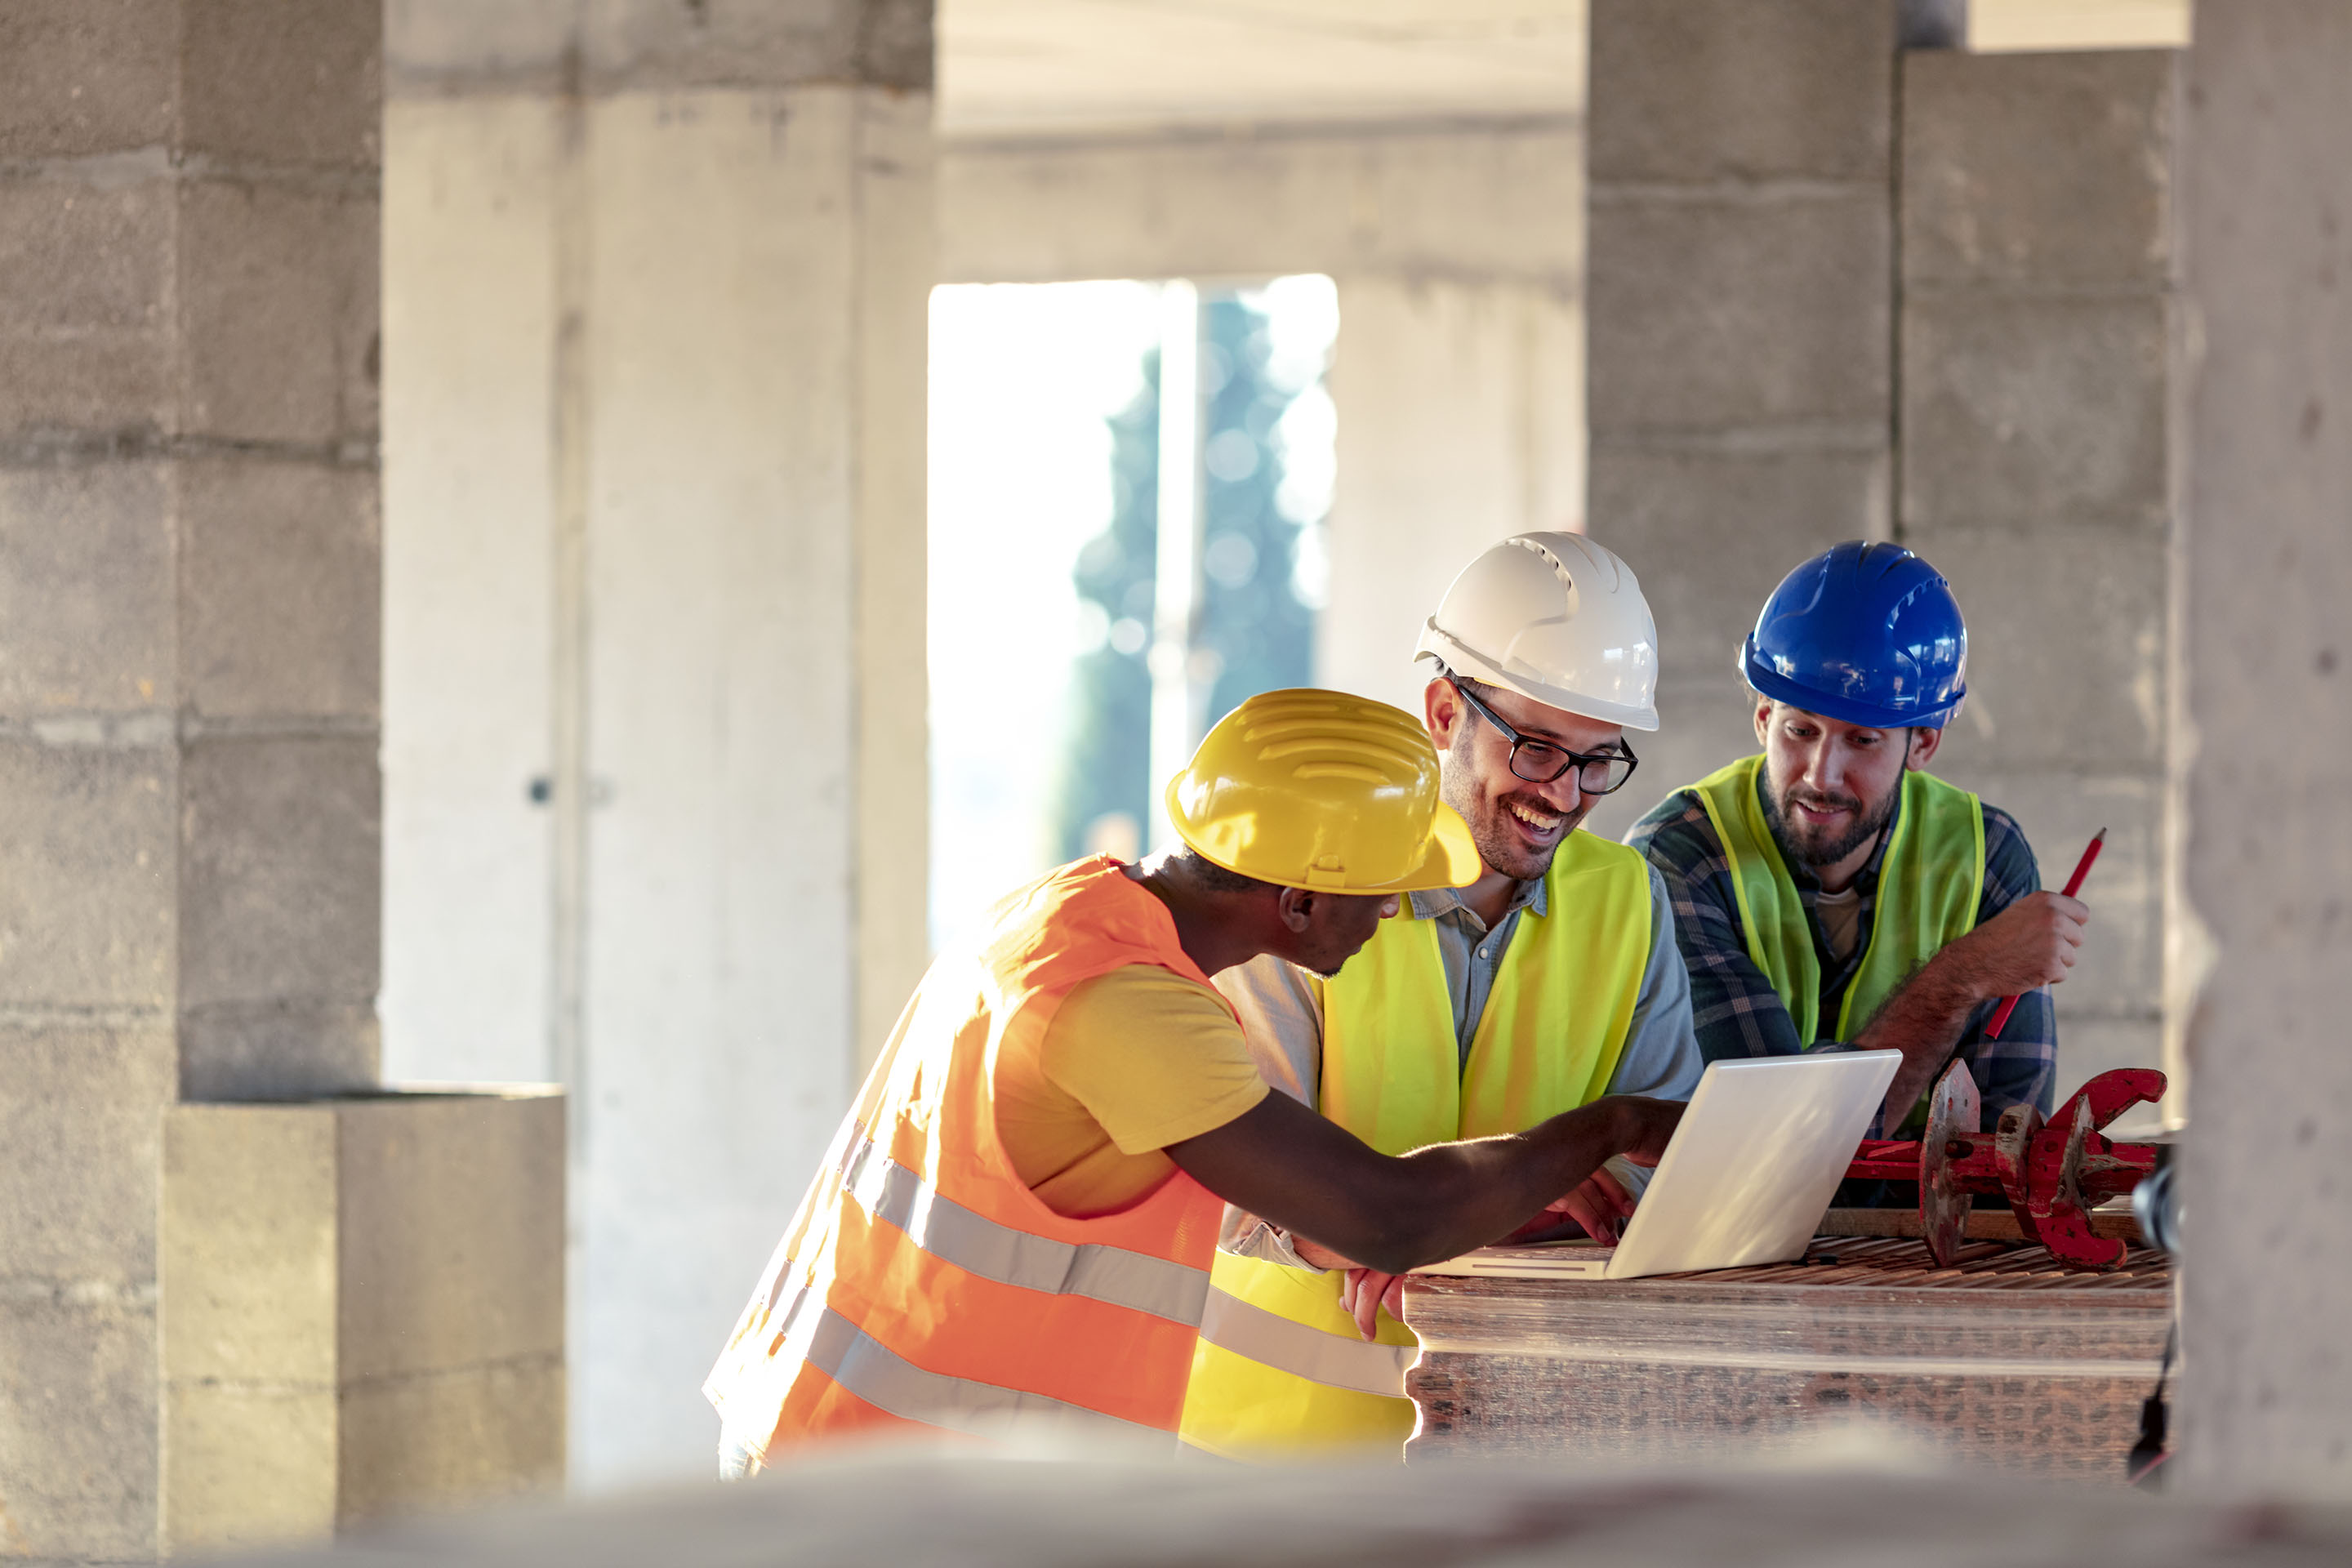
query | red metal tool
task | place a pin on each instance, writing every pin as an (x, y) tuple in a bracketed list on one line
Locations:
[(2073, 886), (2053, 1173)]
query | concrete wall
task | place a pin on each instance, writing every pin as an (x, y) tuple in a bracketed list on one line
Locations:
[(655, 298), (2265, 752), (2037, 285), (350, 1332), (188, 786), (1741, 300), (1458, 377)]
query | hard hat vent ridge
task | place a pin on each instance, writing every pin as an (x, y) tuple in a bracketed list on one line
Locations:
[(1572, 633), (1321, 789)]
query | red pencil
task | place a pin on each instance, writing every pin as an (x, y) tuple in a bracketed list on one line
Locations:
[(2073, 886)]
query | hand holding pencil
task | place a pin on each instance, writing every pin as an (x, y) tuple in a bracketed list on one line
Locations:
[(2074, 886)]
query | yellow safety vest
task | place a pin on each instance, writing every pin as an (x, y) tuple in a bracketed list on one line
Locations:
[(1279, 1369), (1929, 884)]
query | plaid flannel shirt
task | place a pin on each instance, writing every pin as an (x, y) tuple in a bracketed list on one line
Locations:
[(1738, 1014)]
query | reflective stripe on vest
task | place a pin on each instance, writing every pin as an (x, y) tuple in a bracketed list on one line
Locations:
[(1930, 882), (978, 1245), (921, 1280), (1272, 1340), (869, 1369), (1549, 1039)]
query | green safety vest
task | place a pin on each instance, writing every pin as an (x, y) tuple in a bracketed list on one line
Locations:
[(1280, 1370), (1930, 885)]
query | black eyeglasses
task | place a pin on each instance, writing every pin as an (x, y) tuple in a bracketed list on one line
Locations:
[(1540, 761)]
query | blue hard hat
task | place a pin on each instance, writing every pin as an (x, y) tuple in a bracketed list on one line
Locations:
[(1868, 633)]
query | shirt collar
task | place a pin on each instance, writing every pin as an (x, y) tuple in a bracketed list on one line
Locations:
[(1533, 895)]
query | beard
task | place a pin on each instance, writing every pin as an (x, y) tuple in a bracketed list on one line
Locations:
[(1820, 846), (1496, 831)]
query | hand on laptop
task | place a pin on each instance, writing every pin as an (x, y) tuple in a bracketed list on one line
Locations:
[(1600, 1205)]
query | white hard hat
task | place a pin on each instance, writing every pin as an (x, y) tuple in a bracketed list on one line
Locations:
[(1558, 620)]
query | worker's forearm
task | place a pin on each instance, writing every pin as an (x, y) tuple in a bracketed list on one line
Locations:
[(1924, 1020), (1442, 1201)]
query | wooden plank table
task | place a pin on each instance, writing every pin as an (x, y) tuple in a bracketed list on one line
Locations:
[(2006, 1361)]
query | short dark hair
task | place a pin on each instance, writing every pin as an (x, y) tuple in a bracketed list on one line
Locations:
[(1214, 877)]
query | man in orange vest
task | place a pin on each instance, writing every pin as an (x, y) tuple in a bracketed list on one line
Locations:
[(1015, 1220)]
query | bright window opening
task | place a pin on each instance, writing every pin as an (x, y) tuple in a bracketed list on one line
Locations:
[(1079, 648)]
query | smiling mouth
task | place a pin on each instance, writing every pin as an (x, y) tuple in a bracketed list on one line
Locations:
[(1536, 823), (1822, 811)]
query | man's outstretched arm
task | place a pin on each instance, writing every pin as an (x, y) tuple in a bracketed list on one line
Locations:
[(1318, 1180)]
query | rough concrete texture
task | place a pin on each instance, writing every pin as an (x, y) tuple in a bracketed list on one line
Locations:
[(86, 588), (76, 1223), (284, 85), (349, 1330), (278, 296), (1748, 515), (1699, 91), (745, 287), (1740, 296), (2264, 756), (451, 46), (280, 596), (78, 1422), (2038, 169), (1764, 311), (2067, 630), (278, 878), (81, 78), (188, 356), (2037, 380), (1440, 202), (88, 278), (87, 876), (2025, 408)]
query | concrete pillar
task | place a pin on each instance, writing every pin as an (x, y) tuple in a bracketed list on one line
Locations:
[(188, 659), (1458, 377), (656, 291), (2264, 754), (1741, 304), (2037, 284)]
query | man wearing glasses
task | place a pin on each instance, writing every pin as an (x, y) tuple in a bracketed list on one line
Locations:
[(1549, 982)]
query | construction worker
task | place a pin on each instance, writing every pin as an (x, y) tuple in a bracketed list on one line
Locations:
[(1829, 890), (1015, 1220), (1548, 981)]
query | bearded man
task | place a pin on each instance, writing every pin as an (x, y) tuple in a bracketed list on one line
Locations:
[(1829, 893)]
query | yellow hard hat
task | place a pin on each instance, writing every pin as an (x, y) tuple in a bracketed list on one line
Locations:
[(1323, 791)]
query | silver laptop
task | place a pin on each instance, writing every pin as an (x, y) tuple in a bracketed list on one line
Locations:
[(1745, 1179)]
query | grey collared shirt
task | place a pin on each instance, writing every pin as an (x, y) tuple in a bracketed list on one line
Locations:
[(1282, 1015)]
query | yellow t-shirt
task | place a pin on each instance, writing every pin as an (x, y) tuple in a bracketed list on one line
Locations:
[(1135, 1060)]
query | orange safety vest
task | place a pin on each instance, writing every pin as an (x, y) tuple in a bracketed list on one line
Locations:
[(922, 1284)]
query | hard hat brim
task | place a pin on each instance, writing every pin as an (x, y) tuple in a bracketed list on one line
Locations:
[(1451, 653), (1452, 861), (1771, 683)]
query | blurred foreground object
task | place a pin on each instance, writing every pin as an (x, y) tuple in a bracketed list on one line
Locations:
[(912, 1510)]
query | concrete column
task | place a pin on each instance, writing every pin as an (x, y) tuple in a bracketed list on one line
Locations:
[(1740, 300), (2037, 281), (655, 299), (188, 664), (1458, 377), (2264, 754)]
